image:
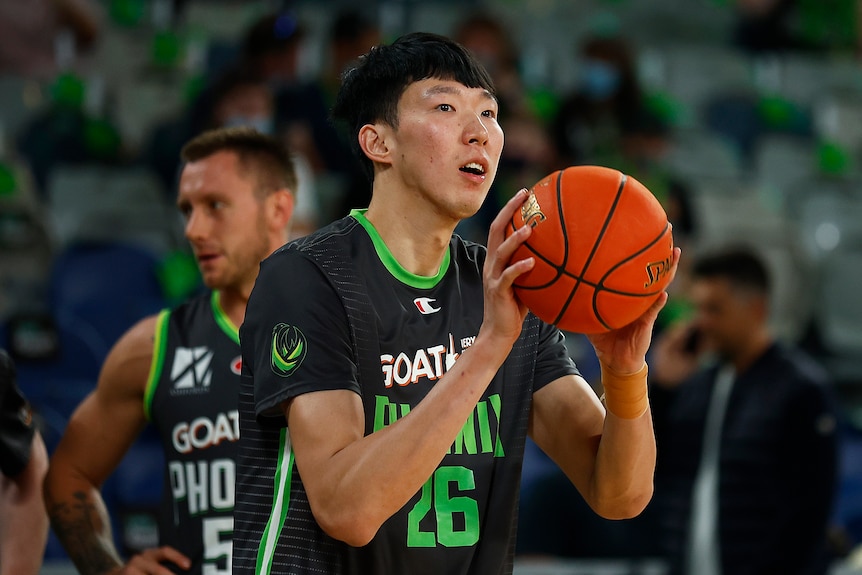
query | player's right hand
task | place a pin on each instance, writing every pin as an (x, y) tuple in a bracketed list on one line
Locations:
[(151, 562)]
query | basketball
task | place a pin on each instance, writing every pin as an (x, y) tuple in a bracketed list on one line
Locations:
[(602, 245)]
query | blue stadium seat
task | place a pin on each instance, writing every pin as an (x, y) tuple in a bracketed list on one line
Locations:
[(111, 286)]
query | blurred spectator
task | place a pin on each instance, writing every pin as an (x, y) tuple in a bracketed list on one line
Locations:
[(304, 109), (37, 37), (351, 34), (764, 25), (488, 38), (606, 106), (746, 434), (64, 132), (271, 47), (239, 96)]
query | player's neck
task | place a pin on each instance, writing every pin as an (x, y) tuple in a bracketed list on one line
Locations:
[(418, 244), (233, 303)]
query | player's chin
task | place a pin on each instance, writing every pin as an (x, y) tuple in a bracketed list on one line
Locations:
[(213, 279), (471, 206)]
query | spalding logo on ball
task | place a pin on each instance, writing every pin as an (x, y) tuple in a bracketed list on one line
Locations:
[(603, 249)]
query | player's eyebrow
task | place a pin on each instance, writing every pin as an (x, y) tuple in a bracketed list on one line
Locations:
[(454, 90)]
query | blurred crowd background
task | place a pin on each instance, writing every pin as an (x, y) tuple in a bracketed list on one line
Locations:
[(744, 117)]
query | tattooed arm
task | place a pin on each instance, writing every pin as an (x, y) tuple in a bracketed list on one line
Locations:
[(99, 433)]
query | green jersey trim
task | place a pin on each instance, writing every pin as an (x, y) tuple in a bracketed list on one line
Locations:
[(223, 320), (391, 264), (281, 502), (160, 341)]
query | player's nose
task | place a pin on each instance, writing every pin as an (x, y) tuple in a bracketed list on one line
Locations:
[(196, 227), (475, 131)]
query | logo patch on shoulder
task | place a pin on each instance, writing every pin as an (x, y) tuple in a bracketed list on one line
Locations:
[(288, 349)]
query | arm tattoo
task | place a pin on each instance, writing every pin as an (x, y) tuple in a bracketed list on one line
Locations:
[(83, 528)]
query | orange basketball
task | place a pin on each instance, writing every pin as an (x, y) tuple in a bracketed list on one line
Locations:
[(603, 249)]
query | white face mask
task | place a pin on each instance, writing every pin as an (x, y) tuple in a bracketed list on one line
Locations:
[(599, 80), (263, 124)]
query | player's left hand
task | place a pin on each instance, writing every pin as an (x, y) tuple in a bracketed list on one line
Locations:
[(624, 349)]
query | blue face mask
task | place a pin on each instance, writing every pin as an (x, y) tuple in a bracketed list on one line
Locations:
[(263, 124), (599, 80)]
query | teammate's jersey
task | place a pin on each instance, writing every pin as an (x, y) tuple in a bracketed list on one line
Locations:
[(191, 398), (336, 311)]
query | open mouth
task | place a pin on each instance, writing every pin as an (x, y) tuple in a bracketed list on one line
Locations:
[(473, 168)]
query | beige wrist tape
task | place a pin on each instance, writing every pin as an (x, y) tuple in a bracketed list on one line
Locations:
[(625, 395)]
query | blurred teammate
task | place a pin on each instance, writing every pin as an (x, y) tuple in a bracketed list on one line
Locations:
[(180, 371)]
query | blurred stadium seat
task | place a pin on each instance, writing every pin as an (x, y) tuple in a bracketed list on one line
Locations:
[(109, 285), (112, 204)]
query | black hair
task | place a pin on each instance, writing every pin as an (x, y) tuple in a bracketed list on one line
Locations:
[(260, 155), (370, 91), (738, 265)]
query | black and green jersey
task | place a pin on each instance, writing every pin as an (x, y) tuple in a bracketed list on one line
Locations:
[(191, 398), (336, 311)]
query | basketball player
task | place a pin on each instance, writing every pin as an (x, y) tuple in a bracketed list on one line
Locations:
[(180, 371), (390, 376)]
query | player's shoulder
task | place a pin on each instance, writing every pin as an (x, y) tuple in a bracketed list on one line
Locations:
[(142, 332), (340, 241), (336, 234), (130, 359)]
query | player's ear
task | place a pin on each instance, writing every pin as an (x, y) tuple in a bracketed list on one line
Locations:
[(373, 141), (279, 208)]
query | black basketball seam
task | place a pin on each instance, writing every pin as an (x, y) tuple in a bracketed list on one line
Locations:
[(601, 282), (559, 269), (600, 285), (605, 225)]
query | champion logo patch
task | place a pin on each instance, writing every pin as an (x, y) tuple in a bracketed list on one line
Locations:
[(236, 365), (192, 369), (425, 305)]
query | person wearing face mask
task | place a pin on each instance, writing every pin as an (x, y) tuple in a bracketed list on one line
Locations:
[(237, 97), (607, 104)]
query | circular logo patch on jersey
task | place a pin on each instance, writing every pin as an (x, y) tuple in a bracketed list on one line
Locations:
[(288, 349), (236, 365)]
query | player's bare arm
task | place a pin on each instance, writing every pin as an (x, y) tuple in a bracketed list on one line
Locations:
[(610, 459), (98, 435), (355, 482)]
